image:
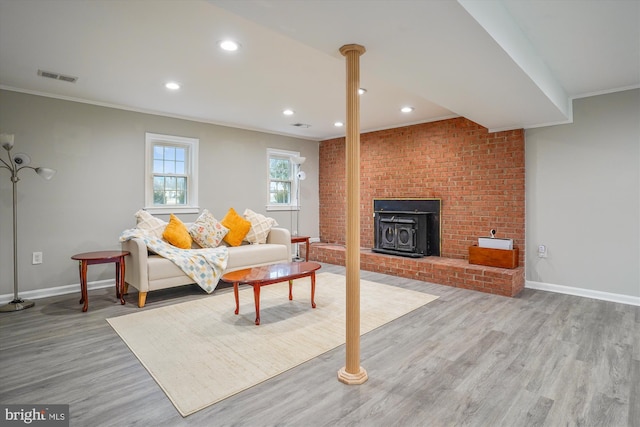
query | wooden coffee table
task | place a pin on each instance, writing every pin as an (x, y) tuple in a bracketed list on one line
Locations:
[(270, 274)]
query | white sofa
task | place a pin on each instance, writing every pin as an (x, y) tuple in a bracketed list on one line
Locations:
[(149, 272)]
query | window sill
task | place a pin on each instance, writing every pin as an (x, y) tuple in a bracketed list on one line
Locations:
[(282, 208), (159, 210)]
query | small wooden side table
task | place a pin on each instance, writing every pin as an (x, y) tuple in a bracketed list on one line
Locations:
[(101, 257), (305, 240)]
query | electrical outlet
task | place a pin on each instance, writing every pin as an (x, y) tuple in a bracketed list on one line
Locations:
[(542, 251), (37, 258)]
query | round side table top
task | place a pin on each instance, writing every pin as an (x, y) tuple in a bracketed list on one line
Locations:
[(89, 256)]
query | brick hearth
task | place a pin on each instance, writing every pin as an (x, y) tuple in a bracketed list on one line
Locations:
[(445, 271)]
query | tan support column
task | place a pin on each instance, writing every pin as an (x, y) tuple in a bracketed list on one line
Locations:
[(353, 373)]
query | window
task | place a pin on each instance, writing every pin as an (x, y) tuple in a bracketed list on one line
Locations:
[(283, 187), (171, 174)]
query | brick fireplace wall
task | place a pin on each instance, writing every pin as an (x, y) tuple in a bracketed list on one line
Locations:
[(478, 175)]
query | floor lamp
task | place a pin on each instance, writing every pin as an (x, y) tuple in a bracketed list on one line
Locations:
[(15, 164), (300, 176)]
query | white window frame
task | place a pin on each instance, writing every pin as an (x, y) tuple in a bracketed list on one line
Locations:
[(191, 144), (294, 204)]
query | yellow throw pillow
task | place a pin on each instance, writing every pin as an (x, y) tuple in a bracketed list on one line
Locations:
[(238, 227), (177, 234)]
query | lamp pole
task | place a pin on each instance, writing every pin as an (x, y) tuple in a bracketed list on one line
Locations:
[(299, 176), (15, 164)]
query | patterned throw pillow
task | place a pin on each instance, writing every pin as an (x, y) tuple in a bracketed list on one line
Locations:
[(146, 221), (207, 231), (260, 227), (177, 234), (238, 227)]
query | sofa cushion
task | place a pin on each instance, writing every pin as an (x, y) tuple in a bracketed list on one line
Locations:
[(148, 222), (207, 231), (253, 255), (177, 234), (161, 268), (260, 227), (238, 227)]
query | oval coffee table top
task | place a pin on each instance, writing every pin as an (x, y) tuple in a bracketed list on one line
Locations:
[(271, 273)]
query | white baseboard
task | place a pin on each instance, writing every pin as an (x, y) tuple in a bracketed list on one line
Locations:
[(587, 293), (99, 284), (60, 290), (314, 240)]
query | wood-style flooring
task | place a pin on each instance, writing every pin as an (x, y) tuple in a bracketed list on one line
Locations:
[(466, 359)]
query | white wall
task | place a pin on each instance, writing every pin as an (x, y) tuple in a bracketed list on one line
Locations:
[(583, 200), (99, 155)]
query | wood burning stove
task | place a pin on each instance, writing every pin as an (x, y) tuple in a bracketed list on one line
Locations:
[(398, 231), (407, 227)]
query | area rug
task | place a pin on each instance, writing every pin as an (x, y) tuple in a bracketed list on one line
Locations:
[(200, 352)]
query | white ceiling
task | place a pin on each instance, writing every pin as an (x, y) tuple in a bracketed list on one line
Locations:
[(504, 64)]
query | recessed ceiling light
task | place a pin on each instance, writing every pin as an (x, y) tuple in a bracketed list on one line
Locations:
[(362, 91), (338, 124), (287, 112), (406, 109), (229, 45), (172, 86)]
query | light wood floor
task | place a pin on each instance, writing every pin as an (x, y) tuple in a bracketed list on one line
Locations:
[(467, 359)]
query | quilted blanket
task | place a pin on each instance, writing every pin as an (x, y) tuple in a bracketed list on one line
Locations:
[(204, 266)]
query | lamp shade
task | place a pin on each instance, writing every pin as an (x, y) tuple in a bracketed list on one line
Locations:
[(302, 176), (6, 139), (46, 173)]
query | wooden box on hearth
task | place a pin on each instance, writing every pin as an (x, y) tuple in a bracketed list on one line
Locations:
[(504, 258)]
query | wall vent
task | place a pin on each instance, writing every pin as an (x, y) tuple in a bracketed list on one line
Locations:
[(57, 76)]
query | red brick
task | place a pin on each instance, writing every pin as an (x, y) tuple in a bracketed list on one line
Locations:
[(478, 175)]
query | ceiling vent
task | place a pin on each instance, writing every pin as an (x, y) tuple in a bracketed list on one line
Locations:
[(301, 125), (57, 76)]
